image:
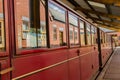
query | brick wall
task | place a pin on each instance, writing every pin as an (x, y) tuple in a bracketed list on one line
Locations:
[(1, 6)]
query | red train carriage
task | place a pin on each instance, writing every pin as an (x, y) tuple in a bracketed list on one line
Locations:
[(45, 40)]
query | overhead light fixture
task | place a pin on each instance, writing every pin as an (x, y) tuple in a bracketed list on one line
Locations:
[(96, 4)]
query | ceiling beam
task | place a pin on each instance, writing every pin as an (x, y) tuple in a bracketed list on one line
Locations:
[(74, 3), (106, 21), (108, 10), (97, 12), (91, 8), (110, 26), (111, 2)]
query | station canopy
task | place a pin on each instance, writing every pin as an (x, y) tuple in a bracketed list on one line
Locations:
[(105, 13)]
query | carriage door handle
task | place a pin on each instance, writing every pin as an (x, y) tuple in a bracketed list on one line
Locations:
[(78, 52)]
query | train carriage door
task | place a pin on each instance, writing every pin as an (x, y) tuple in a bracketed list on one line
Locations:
[(5, 67)]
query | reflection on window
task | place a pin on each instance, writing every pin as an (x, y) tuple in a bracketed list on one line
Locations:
[(42, 30), (29, 36), (88, 33), (82, 33), (26, 38), (101, 37), (2, 37), (95, 38), (54, 33), (76, 37), (93, 34), (57, 25), (25, 30), (71, 34), (104, 37), (73, 30)]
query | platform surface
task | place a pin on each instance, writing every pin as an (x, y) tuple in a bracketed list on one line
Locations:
[(112, 69)]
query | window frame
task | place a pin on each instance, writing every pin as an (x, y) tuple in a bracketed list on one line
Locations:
[(20, 51), (73, 27), (5, 23), (84, 33), (37, 49), (86, 23), (57, 27)]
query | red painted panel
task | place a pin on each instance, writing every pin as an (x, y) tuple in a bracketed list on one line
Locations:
[(74, 65), (86, 69), (86, 63), (105, 51), (57, 73), (4, 65), (31, 63), (95, 61), (74, 70)]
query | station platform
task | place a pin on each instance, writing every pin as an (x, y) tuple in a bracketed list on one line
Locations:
[(112, 69)]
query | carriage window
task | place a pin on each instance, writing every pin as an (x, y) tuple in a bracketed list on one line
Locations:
[(28, 35), (57, 28), (82, 33), (95, 38), (73, 30), (88, 34), (101, 36), (2, 39), (93, 35), (104, 37), (71, 34)]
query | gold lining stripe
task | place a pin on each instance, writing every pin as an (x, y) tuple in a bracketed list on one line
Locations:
[(87, 53), (45, 68), (39, 70), (6, 71)]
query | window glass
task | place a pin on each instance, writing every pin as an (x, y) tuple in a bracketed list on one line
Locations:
[(93, 34), (108, 39), (101, 36), (82, 33), (73, 30), (54, 32), (2, 34), (105, 38), (42, 38), (71, 33), (27, 34), (95, 38), (88, 34), (57, 25)]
